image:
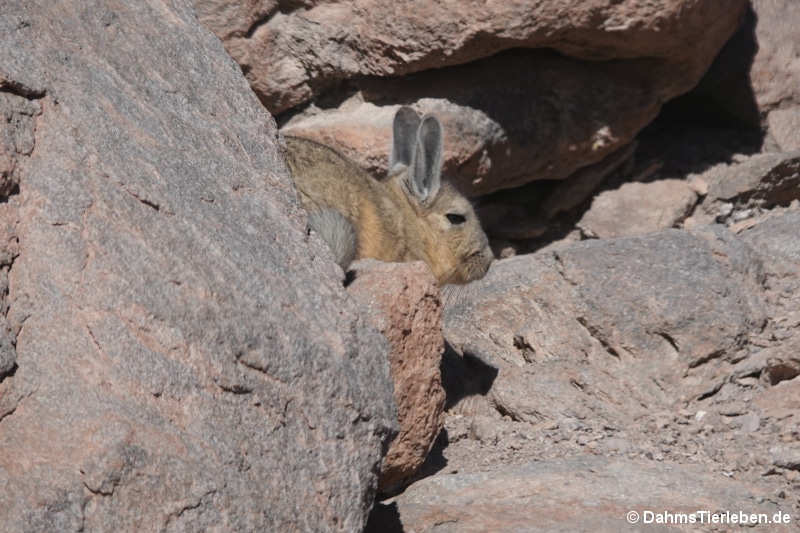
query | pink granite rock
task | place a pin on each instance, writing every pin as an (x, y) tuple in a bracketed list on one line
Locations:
[(402, 301)]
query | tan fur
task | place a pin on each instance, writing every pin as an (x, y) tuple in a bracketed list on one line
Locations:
[(391, 223)]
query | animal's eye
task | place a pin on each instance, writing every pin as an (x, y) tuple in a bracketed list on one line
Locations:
[(455, 218)]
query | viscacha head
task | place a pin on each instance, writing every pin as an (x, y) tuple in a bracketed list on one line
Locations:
[(445, 232)]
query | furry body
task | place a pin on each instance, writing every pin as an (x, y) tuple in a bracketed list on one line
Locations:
[(411, 215)]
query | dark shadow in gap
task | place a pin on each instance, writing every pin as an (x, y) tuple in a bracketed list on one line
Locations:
[(384, 518), (463, 376)]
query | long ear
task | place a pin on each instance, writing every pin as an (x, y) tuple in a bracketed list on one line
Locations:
[(425, 174), (404, 137)]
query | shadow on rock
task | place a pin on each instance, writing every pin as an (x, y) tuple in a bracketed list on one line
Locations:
[(465, 376), (384, 519)]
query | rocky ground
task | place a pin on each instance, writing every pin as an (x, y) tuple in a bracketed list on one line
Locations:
[(684, 404), (663, 362), (178, 352)]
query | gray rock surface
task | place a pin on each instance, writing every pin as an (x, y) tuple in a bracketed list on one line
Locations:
[(775, 237), (528, 91), (293, 51), (765, 179), (177, 352), (638, 208), (500, 115), (184, 359), (784, 126), (577, 494), (743, 188), (623, 374), (775, 71), (653, 312)]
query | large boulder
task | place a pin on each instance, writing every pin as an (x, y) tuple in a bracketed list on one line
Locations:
[(176, 355), (660, 313), (292, 51), (528, 90), (500, 115)]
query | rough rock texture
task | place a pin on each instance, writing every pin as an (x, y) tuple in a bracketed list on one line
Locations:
[(766, 179), (9, 250), (501, 134), (742, 188), (174, 346), (301, 48), (784, 126), (775, 71), (181, 350), (402, 301), (231, 19), (641, 373), (758, 70), (518, 84), (638, 208), (19, 110), (652, 311), (556, 496), (775, 237)]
